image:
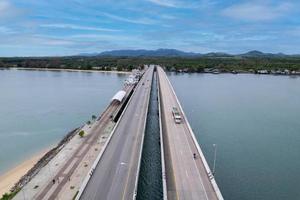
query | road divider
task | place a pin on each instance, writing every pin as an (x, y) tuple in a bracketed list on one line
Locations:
[(163, 167)]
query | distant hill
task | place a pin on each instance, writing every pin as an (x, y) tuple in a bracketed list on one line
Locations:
[(149, 53), (217, 54), (178, 53), (261, 54)]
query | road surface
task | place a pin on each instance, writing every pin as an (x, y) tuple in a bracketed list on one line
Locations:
[(51, 191), (114, 177), (186, 176)]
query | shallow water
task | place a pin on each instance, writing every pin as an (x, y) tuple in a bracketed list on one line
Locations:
[(255, 122), (37, 108)]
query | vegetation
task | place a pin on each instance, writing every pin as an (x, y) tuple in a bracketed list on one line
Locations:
[(94, 117), (192, 64), (75, 195), (81, 133), (9, 196)]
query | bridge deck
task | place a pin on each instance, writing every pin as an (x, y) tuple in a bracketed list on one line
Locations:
[(186, 177), (115, 175)]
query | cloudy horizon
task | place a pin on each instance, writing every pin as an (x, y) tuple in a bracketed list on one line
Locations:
[(70, 27)]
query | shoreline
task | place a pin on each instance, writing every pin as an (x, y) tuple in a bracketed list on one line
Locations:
[(128, 72), (69, 70), (12, 176), (13, 180)]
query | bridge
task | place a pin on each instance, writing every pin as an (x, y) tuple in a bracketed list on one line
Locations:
[(113, 173), (116, 174), (186, 177)]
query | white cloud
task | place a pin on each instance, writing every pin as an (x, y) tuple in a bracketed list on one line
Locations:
[(29, 40), (168, 17), (167, 3), (293, 31), (76, 27), (257, 11), (7, 9), (107, 37), (145, 21), (176, 3), (4, 6), (6, 30)]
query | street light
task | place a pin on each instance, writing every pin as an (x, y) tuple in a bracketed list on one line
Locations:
[(215, 158)]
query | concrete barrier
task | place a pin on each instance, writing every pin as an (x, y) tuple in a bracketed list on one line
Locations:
[(163, 167)]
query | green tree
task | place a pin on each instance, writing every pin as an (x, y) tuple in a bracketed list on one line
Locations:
[(81, 133), (119, 68)]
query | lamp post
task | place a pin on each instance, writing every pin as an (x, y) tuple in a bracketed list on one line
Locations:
[(215, 158)]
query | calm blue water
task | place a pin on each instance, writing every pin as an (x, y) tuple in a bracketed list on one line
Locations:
[(37, 108), (255, 121)]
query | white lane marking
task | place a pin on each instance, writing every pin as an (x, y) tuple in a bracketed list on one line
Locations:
[(187, 174), (186, 139), (123, 163), (195, 162), (175, 138)]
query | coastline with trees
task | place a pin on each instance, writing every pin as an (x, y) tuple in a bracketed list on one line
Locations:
[(251, 62)]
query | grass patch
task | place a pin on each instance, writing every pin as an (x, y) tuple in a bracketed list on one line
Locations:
[(10, 195), (75, 195)]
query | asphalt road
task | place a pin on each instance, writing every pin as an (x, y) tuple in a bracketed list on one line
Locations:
[(115, 175), (186, 176)]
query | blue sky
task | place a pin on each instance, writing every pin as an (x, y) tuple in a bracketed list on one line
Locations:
[(68, 27)]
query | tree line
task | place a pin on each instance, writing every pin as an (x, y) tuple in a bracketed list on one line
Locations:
[(223, 64)]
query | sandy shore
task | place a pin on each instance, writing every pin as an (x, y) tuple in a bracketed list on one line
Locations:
[(12, 176), (70, 70)]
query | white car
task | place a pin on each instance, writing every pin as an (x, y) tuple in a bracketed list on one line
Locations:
[(176, 115)]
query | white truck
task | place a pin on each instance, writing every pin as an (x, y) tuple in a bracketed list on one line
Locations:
[(176, 115)]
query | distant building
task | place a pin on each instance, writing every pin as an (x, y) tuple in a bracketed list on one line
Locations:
[(286, 71), (207, 70), (295, 72), (262, 71)]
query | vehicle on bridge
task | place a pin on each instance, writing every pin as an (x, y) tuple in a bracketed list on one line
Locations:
[(176, 115)]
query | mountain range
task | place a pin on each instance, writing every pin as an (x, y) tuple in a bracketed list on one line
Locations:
[(178, 53)]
